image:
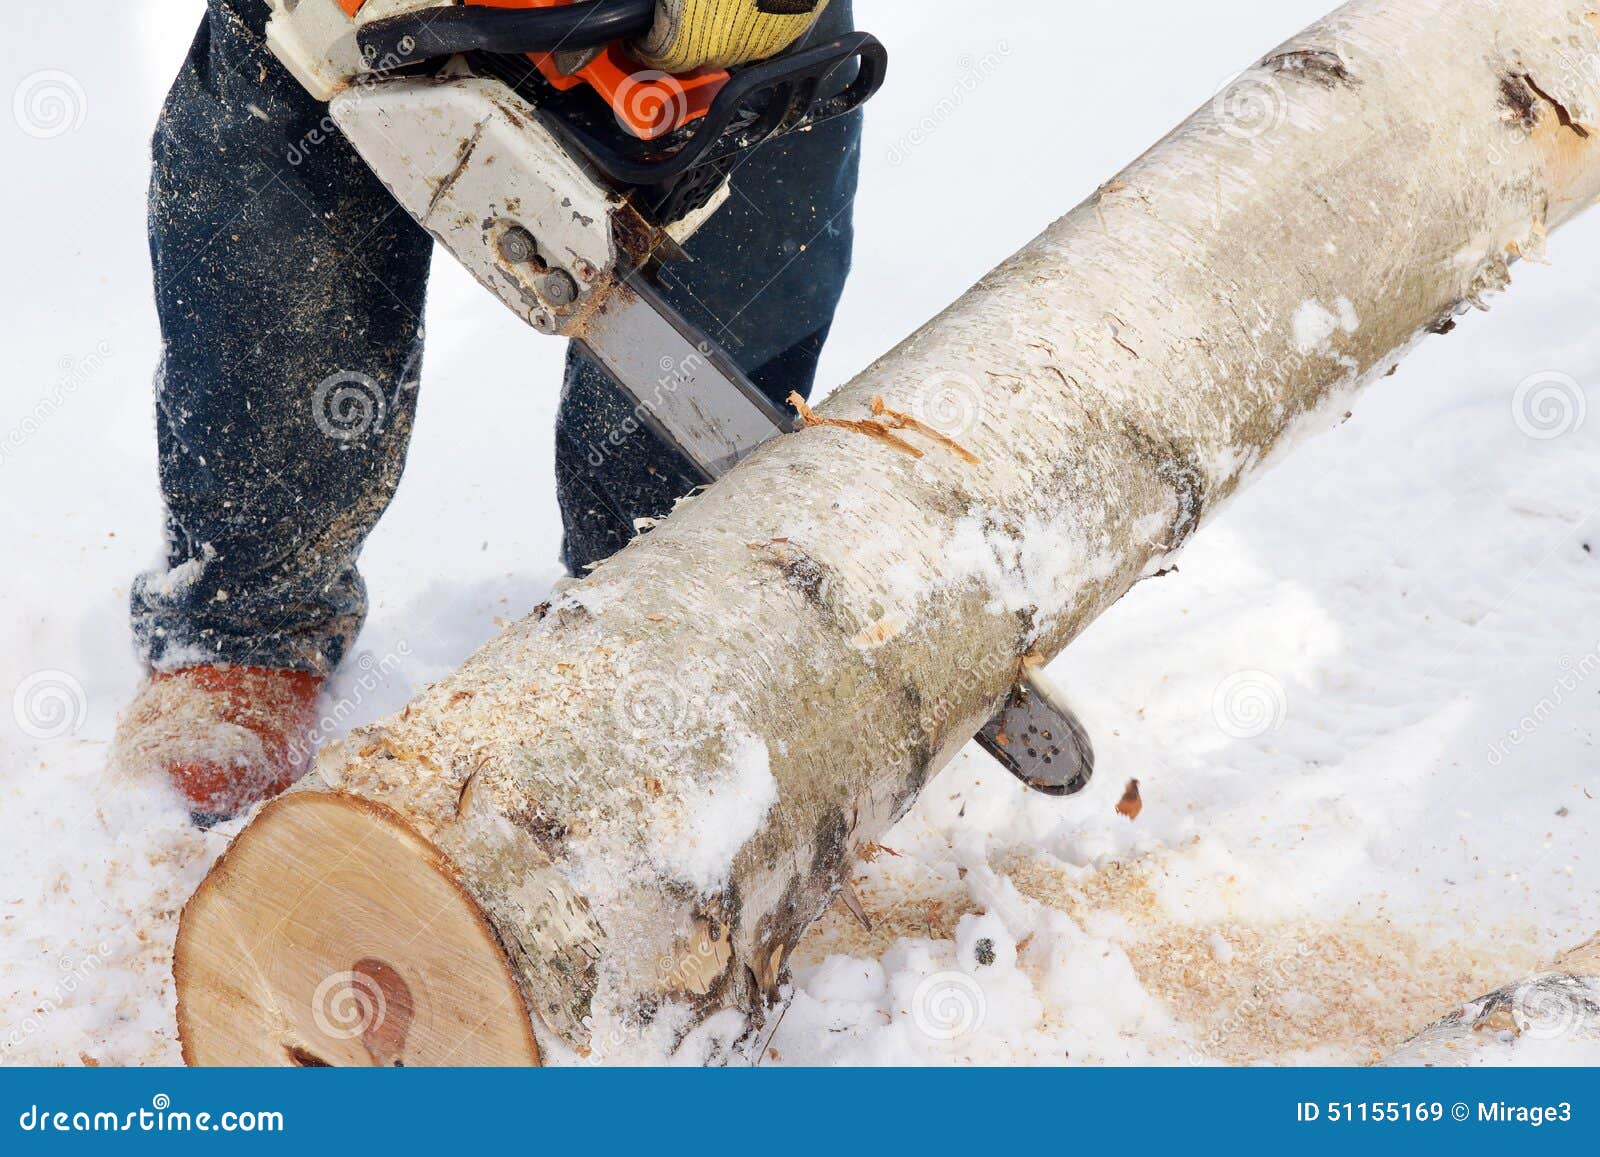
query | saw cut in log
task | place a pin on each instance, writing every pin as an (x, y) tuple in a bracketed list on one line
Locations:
[(1550, 1018), (618, 818)]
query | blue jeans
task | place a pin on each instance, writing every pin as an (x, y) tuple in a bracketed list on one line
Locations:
[(290, 289)]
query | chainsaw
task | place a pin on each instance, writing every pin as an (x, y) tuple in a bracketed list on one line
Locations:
[(563, 174)]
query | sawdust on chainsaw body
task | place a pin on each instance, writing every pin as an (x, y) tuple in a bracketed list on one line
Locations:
[(1343, 991)]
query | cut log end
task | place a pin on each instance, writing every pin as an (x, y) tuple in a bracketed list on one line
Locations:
[(331, 934)]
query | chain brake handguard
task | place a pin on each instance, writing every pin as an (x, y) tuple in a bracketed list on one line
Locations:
[(678, 172)]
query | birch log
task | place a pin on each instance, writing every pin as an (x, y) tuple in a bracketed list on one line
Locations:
[(618, 818), (1549, 1018)]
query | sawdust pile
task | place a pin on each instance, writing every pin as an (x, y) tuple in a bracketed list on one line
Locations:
[(1340, 991)]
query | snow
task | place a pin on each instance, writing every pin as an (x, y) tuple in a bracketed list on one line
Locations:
[(694, 835), (1033, 566), (1315, 324), (175, 580), (1339, 842)]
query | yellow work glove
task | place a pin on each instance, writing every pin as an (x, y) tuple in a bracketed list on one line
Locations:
[(690, 34)]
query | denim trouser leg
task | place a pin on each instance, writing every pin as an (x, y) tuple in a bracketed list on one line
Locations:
[(290, 291), (766, 277)]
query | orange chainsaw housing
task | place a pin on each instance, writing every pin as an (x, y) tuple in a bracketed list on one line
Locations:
[(647, 103)]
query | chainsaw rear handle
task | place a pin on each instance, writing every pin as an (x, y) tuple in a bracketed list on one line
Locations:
[(429, 33)]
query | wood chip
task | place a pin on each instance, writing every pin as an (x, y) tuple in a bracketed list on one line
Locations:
[(1130, 804), (871, 429), (902, 421), (852, 902)]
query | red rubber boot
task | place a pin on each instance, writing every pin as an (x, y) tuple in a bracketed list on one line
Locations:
[(226, 737)]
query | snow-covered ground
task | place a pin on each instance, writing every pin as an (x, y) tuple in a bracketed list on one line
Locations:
[(1361, 714)]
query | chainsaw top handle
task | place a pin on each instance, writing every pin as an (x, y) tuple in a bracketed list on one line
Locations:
[(760, 102), (429, 33), (672, 176)]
